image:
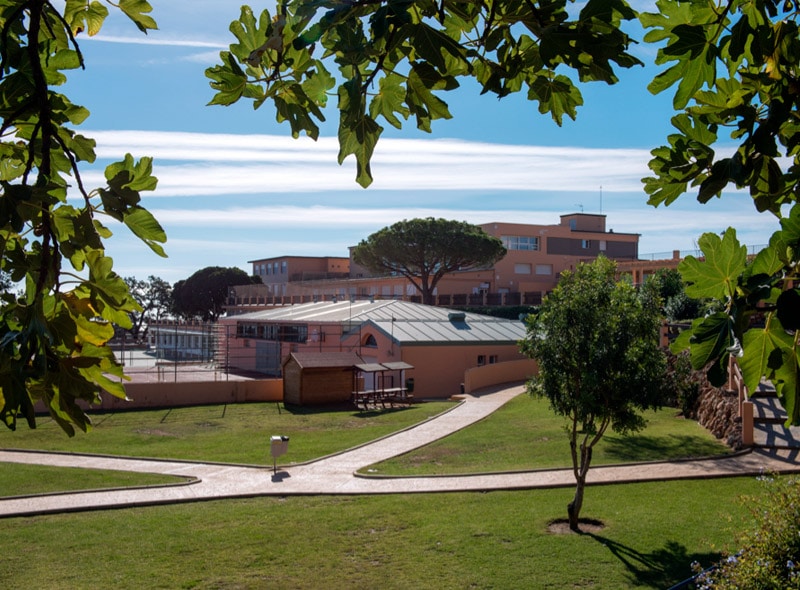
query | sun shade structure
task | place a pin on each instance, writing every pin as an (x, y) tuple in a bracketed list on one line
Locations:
[(381, 384)]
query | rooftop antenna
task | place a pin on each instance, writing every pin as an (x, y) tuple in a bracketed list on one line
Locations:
[(579, 205)]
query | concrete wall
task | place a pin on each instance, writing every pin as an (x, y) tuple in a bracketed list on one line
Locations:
[(439, 371), (194, 393), (508, 372)]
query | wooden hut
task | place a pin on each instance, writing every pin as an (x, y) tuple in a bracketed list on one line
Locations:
[(314, 378)]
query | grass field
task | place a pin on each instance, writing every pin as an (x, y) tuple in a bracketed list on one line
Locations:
[(231, 433), (496, 540), (19, 479), (524, 434), (652, 531)]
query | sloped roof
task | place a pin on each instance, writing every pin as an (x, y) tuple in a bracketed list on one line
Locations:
[(324, 360), (403, 321)]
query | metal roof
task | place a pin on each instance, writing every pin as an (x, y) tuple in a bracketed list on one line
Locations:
[(371, 368), (403, 321), (381, 367)]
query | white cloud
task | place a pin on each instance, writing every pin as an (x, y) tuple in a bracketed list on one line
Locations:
[(149, 40), (192, 164)]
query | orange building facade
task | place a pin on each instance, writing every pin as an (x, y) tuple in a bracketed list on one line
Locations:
[(440, 344), (537, 254)]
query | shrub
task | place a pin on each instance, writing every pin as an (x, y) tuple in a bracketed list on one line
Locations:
[(770, 549), (682, 382)]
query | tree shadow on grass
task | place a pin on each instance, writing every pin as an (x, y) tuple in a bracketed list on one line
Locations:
[(659, 448), (661, 568), (341, 407)]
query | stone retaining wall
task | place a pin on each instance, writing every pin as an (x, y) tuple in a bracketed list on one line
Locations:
[(717, 410)]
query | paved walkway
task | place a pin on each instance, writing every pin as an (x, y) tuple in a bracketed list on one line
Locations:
[(336, 474)]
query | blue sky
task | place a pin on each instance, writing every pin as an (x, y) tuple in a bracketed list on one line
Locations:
[(234, 186)]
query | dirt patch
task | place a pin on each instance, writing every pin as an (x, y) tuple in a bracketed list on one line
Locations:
[(155, 432), (560, 526)]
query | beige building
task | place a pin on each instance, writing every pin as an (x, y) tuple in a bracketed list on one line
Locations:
[(280, 274), (537, 254)]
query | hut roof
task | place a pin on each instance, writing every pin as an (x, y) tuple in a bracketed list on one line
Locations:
[(324, 360)]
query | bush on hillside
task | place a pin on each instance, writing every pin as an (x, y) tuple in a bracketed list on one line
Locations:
[(769, 558)]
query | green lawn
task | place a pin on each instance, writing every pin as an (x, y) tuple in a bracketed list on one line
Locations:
[(525, 434), (18, 479), (652, 532), (235, 433), (492, 540)]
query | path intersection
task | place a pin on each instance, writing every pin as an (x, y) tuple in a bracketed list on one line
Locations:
[(336, 474)]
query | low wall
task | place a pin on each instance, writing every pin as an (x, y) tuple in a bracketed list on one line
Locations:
[(194, 393), (508, 372)]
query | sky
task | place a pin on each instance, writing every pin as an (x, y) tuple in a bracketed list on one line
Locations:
[(234, 186)]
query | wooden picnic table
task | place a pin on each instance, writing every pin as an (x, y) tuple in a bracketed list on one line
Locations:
[(373, 397)]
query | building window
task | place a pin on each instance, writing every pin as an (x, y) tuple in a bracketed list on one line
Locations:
[(283, 267), (481, 360), (544, 269), (492, 359), (527, 243), (586, 244), (370, 341), (522, 269), (602, 245)]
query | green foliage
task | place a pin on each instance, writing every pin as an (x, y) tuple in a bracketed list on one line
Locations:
[(204, 294), (682, 307), (735, 64), (397, 58), (596, 343), (425, 250), (677, 305), (668, 283), (683, 385), (740, 289), (53, 336), (736, 67), (769, 556), (154, 296)]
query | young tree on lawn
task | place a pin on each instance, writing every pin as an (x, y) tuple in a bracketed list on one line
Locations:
[(425, 250), (734, 66), (596, 343), (53, 337), (203, 295), (154, 296)]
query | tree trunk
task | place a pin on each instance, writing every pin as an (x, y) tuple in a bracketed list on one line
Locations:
[(427, 294), (574, 507)]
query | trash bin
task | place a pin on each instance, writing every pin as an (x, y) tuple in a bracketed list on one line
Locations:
[(278, 446), (410, 385)]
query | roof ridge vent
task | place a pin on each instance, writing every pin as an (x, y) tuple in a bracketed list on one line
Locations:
[(457, 316)]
